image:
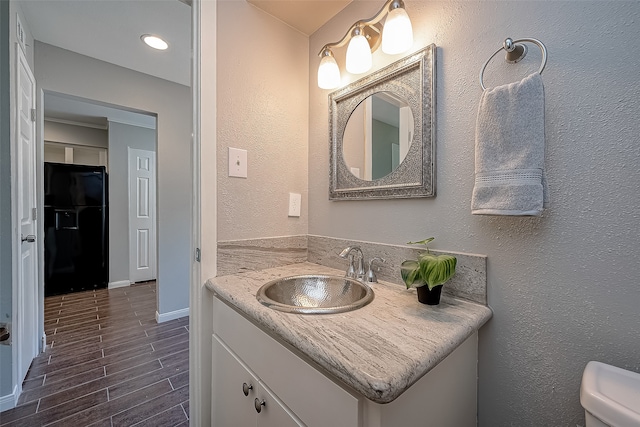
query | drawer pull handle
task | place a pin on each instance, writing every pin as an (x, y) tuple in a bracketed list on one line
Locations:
[(259, 404), (245, 388)]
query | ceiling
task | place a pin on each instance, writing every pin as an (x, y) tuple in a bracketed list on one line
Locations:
[(305, 16), (110, 30)]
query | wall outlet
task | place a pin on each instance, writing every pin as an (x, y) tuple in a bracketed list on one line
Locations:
[(237, 162), (295, 200)]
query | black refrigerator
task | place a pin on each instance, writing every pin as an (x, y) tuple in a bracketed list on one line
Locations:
[(76, 246)]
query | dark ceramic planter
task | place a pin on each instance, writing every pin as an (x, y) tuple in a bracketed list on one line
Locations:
[(429, 297)]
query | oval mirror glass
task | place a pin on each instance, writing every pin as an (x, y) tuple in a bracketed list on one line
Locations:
[(378, 136)]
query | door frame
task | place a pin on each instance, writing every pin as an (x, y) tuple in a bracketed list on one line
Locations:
[(203, 223)]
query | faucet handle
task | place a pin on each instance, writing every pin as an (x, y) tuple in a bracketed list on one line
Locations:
[(371, 275)]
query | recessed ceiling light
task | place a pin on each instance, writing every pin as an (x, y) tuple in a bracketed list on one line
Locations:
[(154, 41)]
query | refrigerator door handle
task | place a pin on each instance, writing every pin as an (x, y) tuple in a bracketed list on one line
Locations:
[(30, 238)]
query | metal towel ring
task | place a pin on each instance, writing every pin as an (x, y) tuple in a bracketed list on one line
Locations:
[(510, 46)]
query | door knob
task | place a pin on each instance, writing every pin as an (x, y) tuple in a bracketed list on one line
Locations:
[(245, 388), (30, 238), (259, 404)]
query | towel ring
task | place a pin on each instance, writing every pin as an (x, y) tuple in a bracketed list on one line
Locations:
[(515, 52)]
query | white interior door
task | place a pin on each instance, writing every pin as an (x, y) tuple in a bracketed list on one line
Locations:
[(142, 223), (25, 308)]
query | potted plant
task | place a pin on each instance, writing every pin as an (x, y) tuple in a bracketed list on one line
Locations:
[(428, 273)]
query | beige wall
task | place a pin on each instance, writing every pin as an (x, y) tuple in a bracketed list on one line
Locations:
[(262, 98), (563, 287), (77, 135)]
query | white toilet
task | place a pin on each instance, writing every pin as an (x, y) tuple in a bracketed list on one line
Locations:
[(610, 396)]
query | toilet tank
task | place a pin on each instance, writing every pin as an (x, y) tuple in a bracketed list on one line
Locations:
[(610, 396)]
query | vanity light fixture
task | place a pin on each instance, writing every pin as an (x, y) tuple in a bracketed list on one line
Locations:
[(328, 71), (154, 41), (364, 37), (359, 59), (397, 35)]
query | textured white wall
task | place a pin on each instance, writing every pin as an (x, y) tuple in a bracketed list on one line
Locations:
[(564, 287), (262, 94)]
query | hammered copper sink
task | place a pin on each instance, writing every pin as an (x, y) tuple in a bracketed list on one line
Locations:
[(315, 294)]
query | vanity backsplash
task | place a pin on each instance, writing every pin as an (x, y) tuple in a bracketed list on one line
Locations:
[(236, 256)]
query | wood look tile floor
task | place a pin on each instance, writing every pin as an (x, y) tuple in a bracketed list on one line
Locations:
[(107, 363)]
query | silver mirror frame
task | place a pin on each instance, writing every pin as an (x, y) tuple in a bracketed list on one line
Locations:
[(413, 79)]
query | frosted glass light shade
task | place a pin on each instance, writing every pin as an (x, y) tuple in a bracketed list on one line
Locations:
[(397, 34), (358, 55), (328, 73)]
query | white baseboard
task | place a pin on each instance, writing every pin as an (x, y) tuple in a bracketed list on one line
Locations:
[(119, 284), (165, 317), (9, 401)]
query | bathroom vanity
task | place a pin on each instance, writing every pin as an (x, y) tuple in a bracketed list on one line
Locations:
[(393, 362)]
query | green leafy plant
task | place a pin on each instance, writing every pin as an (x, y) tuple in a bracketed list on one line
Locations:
[(429, 269)]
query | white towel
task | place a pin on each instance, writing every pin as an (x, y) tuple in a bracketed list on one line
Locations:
[(510, 177)]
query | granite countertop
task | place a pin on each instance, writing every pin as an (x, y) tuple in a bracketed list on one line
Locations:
[(379, 350)]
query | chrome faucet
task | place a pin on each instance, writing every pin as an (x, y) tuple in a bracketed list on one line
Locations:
[(356, 264)]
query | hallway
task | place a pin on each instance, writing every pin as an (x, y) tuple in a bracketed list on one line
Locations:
[(107, 363)]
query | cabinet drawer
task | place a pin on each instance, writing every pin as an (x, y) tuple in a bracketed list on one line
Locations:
[(313, 397)]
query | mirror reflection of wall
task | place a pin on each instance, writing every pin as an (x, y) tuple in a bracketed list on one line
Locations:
[(80, 143), (378, 136)]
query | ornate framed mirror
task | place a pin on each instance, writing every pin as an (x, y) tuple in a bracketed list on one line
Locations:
[(382, 132)]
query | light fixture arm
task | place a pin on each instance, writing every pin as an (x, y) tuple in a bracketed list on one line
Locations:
[(342, 41), (363, 24)]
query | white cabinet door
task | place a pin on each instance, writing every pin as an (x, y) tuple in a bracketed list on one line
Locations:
[(304, 390), (230, 406), (273, 414), (238, 395)]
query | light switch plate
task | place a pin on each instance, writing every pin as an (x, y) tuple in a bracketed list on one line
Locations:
[(295, 200), (237, 162)]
